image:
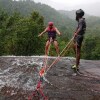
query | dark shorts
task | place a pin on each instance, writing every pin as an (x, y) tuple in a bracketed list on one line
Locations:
[(53, 39), (78, 39)]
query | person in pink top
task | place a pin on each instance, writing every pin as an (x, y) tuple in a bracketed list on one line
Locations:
[(52, 31)]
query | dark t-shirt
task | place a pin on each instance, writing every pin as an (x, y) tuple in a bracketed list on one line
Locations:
[(81, 26)]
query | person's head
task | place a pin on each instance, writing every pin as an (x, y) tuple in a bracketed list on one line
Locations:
[(79, 14), (50, 24)]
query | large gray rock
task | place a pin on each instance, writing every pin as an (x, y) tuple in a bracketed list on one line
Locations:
[(20, 75)]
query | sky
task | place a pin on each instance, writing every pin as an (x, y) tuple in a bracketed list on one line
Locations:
[(89, 6)]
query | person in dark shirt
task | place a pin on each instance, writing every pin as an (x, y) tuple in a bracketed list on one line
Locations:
[(78, 36), (52, 31)]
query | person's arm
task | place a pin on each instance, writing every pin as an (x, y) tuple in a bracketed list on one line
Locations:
[(58, 31), (79, 28), (42, 32), (76, 33)]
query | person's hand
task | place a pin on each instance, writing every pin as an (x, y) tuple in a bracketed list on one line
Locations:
[(39, 35), (59, 34), (75, 34)]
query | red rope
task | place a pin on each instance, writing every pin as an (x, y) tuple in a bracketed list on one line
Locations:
[(39, 91)]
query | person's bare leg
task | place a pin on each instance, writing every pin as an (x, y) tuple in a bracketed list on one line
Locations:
[(74, 48), (46, 53), (78, 54), (47, 47), (56, 47)]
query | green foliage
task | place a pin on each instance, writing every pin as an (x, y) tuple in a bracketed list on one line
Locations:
[(91, 49), (20, 26), (25, 7), (19, 35)]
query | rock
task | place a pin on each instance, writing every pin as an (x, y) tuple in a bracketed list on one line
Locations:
[(20, 75)]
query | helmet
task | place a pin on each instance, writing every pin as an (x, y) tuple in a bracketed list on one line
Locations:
[(50, 23), (80, 13)]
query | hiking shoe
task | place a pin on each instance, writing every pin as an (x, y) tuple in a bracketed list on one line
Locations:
[(74, 67), (77, 69)]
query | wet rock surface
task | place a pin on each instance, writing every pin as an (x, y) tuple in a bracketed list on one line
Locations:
[(19, 77)]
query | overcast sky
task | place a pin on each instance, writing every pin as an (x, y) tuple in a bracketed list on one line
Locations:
[(90, 6)]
